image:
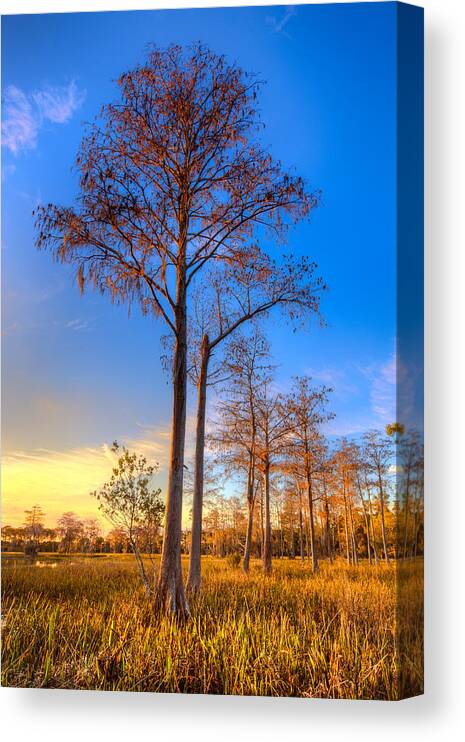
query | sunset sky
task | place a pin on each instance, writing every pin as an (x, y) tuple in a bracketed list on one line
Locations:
[(78, 372)]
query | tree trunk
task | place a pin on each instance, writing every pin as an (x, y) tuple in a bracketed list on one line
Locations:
[(262, 524), (367, 526), (346, 526), (406, 505), (251, 495), (194, 576), (281, 535), (328, 528), (291, 541), (372, 524), (267, 566), (307, 540), (339, 536), (170, 590), (312, 523), (301, 528), (248, 538), (415, 525), (352, 536), (141, 567), (383, 526)]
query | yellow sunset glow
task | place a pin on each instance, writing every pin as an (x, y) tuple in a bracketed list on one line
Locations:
[(61, 481), (58, 481)]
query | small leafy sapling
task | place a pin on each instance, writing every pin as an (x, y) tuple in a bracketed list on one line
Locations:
[(130, 503)]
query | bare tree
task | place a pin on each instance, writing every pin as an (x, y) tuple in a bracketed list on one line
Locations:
[(272, 429), (91, 534), (346, 468), (306, 406), (34, 527), (409, 456), (377, 451), (418, 498), (70, 528), (325, 480), (236, 433), (172, 176), (242, 292)]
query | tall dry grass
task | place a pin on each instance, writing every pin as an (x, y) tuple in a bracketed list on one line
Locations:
[(85, 623)]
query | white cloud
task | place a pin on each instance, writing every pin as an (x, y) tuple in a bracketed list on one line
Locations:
[(383, 391), (24, 115), (77, 324), (58, 104), (382, 378), (335, 378), (19, 125), (278, 25)]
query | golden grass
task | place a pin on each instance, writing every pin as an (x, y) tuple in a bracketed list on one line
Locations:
[(85, 623)]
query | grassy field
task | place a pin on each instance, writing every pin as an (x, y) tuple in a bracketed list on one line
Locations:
[(79, 622)]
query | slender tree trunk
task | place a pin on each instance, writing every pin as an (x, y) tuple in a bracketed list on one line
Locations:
[(267, 566), (251, 488), (141, 567), (372, 524), (170, 590), (251, 493), (307, 538), (301, 527), (418, 522), (194, 576), (339, 535), (328, 529), (346, 525), (281, 535), (262, 523), (367, 526), (365, 516), (383, 525), (415, 526), (406, 505), (352, 536), (248, 538), (291, 540), (312, 523)]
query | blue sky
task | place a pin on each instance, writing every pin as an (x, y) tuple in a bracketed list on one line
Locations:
[(77, 372)]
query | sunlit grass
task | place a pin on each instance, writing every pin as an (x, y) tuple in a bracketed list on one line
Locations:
[(85, 623)]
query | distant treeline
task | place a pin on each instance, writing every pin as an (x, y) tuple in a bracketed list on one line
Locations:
[(359, 512), (72, 534)]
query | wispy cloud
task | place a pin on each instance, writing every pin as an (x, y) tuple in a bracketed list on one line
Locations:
[(38, 295), (278, 25), (364, 396), (382, 377), (75, 325), (335, 378), (19, 125), (24, 114), (57, 104), (78, 324)]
